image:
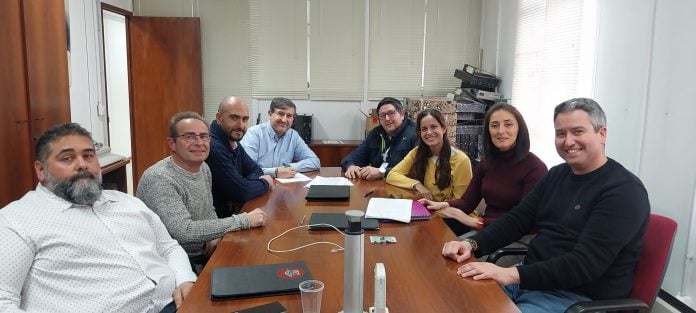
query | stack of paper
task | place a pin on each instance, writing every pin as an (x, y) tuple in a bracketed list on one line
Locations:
[(330, 181), (392, 209)]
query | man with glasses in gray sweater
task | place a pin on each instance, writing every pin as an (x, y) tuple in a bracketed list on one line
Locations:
[(179, 190)]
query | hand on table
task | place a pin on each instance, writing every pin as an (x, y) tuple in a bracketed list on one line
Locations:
[(352, 171), (257, 217)]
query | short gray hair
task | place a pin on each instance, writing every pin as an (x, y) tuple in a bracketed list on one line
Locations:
[(597, 116), (183, 116)]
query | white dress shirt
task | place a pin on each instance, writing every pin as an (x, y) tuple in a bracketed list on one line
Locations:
[(270, 151), (115, 256)]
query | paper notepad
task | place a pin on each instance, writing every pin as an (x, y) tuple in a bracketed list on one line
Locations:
[(392, 209)]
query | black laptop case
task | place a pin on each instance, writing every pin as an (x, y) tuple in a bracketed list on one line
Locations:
[(257, 280), (328, 193)]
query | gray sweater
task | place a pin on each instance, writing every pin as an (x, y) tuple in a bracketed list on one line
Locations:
[(184, 202)]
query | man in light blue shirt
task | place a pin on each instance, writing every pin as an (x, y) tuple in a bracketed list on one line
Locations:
[(276, 147)]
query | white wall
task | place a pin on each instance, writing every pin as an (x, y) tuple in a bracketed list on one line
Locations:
[(86, 74), (644, 81), (331, 120)]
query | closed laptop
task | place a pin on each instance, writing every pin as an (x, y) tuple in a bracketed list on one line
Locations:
[(338, 220), (257, 280), (328, 193)]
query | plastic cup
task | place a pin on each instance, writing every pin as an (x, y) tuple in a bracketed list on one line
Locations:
[(311, 291)]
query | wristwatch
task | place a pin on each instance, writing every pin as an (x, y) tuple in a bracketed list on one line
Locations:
[(473, 243), (382, 170)]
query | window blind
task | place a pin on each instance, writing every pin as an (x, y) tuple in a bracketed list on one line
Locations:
[(546, 71), (278, 48), (452, 34), (225, 50), (396, 48), (336, 49)]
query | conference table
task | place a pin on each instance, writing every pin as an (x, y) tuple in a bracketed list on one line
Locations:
[(419, 278)]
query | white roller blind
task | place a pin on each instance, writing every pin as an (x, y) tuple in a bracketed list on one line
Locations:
[(396, 48), (225, 52), (278, 48), (451, 40), (336, 49), (548, 54)]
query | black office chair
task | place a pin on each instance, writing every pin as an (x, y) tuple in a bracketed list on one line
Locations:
[(657, 246)]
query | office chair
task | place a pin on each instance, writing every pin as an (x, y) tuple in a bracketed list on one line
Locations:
[(650, 270)]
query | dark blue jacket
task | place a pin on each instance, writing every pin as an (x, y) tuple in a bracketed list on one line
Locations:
[(370, 151), (235, 174)]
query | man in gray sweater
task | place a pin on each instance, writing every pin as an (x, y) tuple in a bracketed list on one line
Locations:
[(178, 189)]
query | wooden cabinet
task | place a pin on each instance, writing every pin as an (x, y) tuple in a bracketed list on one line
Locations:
[(34, 92), (331, 154)]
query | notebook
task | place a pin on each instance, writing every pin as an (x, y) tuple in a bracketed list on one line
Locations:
[(328, 193), (338, 220), (257, 280), (419, 211)]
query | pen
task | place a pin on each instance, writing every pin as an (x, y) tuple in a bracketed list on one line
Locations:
[(368, 194), (303, 218)]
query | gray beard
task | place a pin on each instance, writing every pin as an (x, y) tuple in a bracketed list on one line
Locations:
[(83, 188)]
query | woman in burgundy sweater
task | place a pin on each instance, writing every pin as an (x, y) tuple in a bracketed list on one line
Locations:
[(507, 172)]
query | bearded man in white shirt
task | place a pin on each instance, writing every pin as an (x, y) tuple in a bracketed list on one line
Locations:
[(68, 245)]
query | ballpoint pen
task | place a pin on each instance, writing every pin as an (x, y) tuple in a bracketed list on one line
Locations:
[(368, 194)]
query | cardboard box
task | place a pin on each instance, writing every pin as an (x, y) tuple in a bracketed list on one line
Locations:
[(371, 121), (446, 106)]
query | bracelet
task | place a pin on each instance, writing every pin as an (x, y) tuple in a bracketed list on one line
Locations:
[(276, 172), (473, 243)]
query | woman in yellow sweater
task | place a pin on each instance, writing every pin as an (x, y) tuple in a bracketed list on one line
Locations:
[(434, 168)]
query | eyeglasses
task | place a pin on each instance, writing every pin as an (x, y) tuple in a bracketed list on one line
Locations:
[(191, 137), (391, 114)]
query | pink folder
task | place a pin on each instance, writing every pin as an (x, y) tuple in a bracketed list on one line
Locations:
[(419, 211)]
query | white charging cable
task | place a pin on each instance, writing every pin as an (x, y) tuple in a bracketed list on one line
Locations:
[(338, 247)]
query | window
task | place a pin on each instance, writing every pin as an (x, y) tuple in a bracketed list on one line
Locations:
[(317, 50), (553, 62)]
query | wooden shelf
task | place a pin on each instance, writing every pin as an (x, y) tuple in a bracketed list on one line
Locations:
[(114, 175), (331, 154)]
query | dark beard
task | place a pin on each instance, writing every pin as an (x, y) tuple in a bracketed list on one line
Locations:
[(82, 188)]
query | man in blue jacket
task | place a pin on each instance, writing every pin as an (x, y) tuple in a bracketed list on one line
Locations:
[(236, 177), (385, 146)]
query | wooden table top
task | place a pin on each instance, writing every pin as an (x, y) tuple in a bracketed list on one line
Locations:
[(419, 278)]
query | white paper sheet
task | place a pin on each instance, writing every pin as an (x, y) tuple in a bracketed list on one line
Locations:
[(393, 209), (298, 178), (330, 181)]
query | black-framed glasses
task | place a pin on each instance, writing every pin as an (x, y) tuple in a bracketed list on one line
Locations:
[(391, 114), (192, 137)]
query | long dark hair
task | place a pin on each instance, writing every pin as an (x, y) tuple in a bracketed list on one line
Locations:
[(443, 172), (520, 149)]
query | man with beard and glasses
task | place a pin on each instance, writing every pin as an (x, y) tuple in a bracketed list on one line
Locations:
[(278, 148), (70, 246), (385, 146), (236, 177), (178, 188)]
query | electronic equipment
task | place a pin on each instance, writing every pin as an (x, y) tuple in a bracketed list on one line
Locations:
[(303, 125), (473, 77)]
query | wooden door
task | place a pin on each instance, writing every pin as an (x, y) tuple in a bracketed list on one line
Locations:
[(165, 64), (47, 64), (15, 161)]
